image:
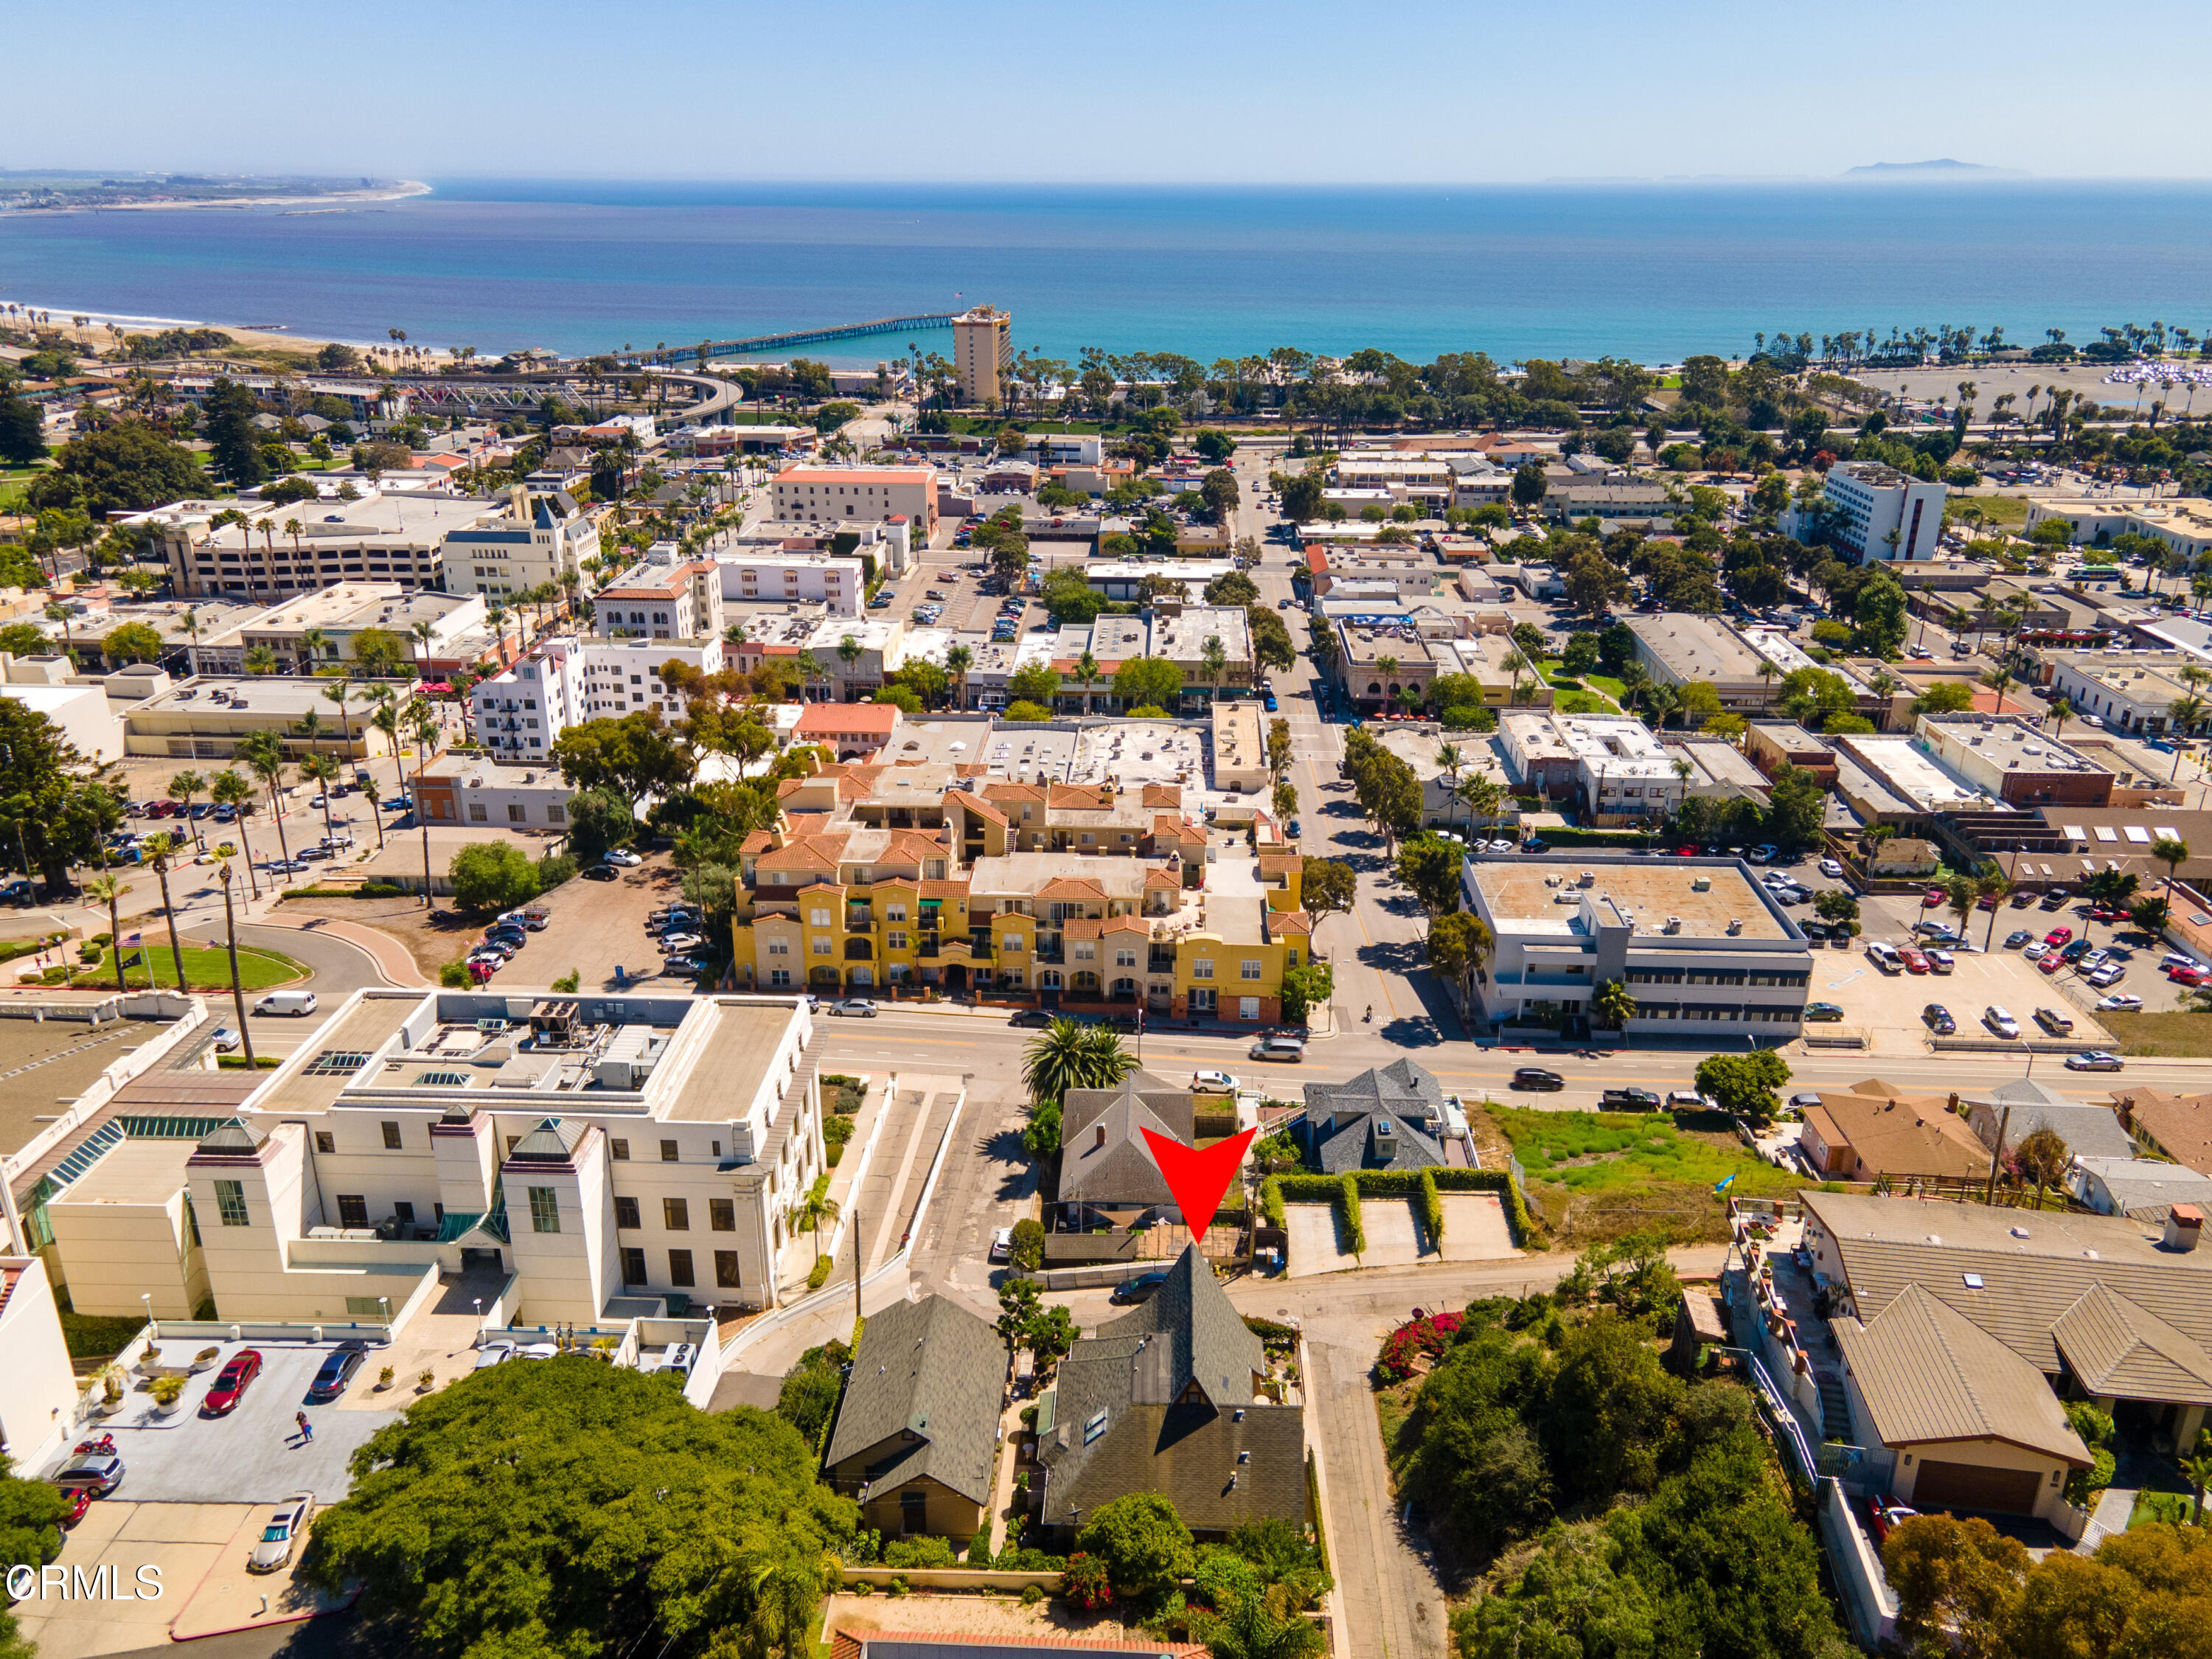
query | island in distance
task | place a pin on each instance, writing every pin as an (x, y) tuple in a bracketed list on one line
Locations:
[(1946, 169)]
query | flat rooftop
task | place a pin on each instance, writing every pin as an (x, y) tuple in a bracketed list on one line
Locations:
[(1899, 761), (266, 695), (134, 1171), (1020, 754), (1524, 894), (2010, 744), (47, 1065), (736, 1056), (1133, 753), (311, 1079), (1694, 648)]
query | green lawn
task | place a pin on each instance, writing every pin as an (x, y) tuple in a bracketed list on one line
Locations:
[(13, 482), (205, 969), (2173, 1508), (1617, 1172), (2007, 511), (2180, 1034), (1582, 702)]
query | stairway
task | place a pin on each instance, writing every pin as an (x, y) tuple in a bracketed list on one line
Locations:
[(1835, 1406)]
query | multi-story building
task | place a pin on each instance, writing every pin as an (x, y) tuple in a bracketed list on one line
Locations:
[(885, 547), (1613, 764), (664, 596), (2184, 524), (1703, 947), (1616, 506), (1381, 666), (2127, 690), (581, 1149), (1067, 894), (468, 789), (389, 536), (983, 350), (764, 575), (538, 538), (206, 720), (331, 625), (1183, 635), (38, 1385), (2015, 762), (811, 494), (1871, 504), (521, 713)]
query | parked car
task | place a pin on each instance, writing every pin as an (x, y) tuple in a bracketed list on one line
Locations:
[(231, 1383), (1998, 1020), (281, 1537), (1002, 1245), (2057, 936), (1933, 898), (2035, 951), (1817, 1011), (2056, 899), (1215, 1081), (853, 1008), (493, 1354), (1629, 1100), (601, 873), (1884, 956), (1830, 868), (337, 1368), (1939, 1019), (1030, 1017), (76, 1501), (1289, 1050), (2120, 1002), (1942, 962), (1804, 1101), (225, 1040), (1142, 1288), (2054, 1022), (624, 857), (99, 1472), (2018, 937), (1885, 1515), (1915, 960), (1689, 1100), (2097, 1060), (2110, 974), (1536, 1076), (295, 1004)]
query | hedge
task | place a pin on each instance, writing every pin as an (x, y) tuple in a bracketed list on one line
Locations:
[(367, 890), (1215, 1125), (1275, 1190), (1347, 1209), (1268, 1330), (1313, 1506), (1432, 1208)]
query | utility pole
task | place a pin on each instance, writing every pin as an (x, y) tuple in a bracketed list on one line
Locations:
[(237, 991), (1997, 1152), (858, 1262)]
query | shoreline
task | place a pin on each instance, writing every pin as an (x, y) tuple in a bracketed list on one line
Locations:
[(400, 191)]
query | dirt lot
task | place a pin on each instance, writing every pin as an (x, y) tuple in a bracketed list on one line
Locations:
[(595, 926)]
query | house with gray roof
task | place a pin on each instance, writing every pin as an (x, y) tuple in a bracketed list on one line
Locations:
[(1387, 1118), (1167, 1399), (2088, 1131), (1107, 1170), (917, 1436), (2141, 1188)]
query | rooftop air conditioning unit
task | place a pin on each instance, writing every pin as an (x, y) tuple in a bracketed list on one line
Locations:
[(1673, 925), (491, 1027), (1734, 927)]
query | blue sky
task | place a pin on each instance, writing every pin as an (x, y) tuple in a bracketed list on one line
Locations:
[(1416, 92)]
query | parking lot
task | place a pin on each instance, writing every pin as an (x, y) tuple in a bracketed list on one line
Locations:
[(253, 1456), (959, 573), (595, 926)]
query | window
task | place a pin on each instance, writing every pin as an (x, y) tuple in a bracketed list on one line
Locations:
[(679, 1268), (626, 1214), (633, 1265), (894, 941), (325, 1141), (1248, 1007), (668, 1152), (544, 1210), (390, 1136), (726, 1269), (821, 947), (1013, 942), (819, 918), (477, 814), (893, 913), (778, 976), (514, 813), (722, 1214), (405, 1212), (230, 1203), (556, 815), (620, 1151), (777, 947), (1251, 971), (1201, 970), (676, 1214), (353, 1209)]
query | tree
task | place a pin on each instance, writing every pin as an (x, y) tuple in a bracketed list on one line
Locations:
[(22, 433), (1302, 496), (129, 467), (1232, 588), (1327, 887), (1143, 681), (1945, 697), (30, 1527), (1595, 584), (2172, 852), (1214, 446), (1429, 865), (2043, 1157), (1218, 490), (600, 820), (1796, 807), (1878, 615), (1305, 988), (637, 755), (1143, 1543), (60, 805), (235, 441), (493, 875), (1528, 484), (1613, 1003), (1037, 682), (1027, 1250), (1744, 1086), (1272, 646), (132, 642), (1956, 1582), (1458, 946), (645, 1513), (1068, 1055)]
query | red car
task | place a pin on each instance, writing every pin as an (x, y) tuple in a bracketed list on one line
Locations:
[(2186, 975), (2052, 963), (76, 1500), (1886, 1515), (231, 1383), (2105, 912), (1933, 898), (2057, 936), (1987, 902), (1914, 962)]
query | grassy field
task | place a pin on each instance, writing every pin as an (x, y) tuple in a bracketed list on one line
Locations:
[(1588, 701), (2005, 512), (204, 969), (13, 482), (2174, 1035), (1604, 1174)]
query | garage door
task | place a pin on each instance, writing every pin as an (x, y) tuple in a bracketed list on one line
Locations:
[(1968, 1486)]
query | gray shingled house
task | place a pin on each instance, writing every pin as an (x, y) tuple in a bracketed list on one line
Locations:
[(1107, 1172), (1379, 1119), (918, 1434), (1163, 1400)]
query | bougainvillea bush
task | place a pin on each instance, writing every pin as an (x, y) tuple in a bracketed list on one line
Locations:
[(1430, 1336)]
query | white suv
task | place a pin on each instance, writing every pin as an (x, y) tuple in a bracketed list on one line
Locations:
[(2000, 1022)]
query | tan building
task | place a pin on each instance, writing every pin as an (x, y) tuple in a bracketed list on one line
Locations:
[(205, 719), (870, 494), (1866, 1132), (982, 348), (917, 1437), (1240, 748)]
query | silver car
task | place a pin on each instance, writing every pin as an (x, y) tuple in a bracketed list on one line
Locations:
[(493, 1354), (281, 1535)]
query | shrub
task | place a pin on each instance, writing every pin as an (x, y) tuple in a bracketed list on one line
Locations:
[(979, 1549), (1432, 1208), (1085, 1583), (1347, 1212), (1430, 1336), (569, 981), (554, 869), (454, 975), (493, 875), (818, 1274), (924, 1552), (1031, 1594), (897, 1587), (165, 1390), (1028, 1250), (1271, 1201)]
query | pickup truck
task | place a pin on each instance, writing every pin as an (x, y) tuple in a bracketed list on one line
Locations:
[(1629, 1100)]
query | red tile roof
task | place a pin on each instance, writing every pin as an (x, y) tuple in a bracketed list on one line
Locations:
[(839, 719)]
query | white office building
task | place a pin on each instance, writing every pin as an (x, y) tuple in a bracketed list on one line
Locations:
[(1872, 502), (565, 682), (538, 537), (770, 575)]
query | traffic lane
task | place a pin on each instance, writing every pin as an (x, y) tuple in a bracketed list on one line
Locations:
[(336, 968), (976, 1045)]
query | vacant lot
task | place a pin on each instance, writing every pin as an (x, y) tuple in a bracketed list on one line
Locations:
[(2172, 1035), (433, 937), (1606, 1174)]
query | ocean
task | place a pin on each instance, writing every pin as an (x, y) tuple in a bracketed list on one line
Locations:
[(1652, 272)]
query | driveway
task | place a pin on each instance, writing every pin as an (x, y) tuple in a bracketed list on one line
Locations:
[(254, 1456), (1386, 1593)]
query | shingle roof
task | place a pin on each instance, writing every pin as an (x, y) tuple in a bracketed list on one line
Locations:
[(1123, 1169), (1391, 1094), (1904, 1137), (2145, 1189), (2088, 1131), (2013, 1274), (2181, 1125), (2120, 1352), (1926, 1374), (933, 1367)]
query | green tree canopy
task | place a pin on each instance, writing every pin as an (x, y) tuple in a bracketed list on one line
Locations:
[(1745, 1084), (1142, 680), (600, 820), (60, 804), (129, 467), (637, 753), (132, 642), (1143, 1541), (1327, 887), (493, 875), (560, 1507)]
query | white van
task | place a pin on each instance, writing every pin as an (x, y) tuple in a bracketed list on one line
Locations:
[(287, 1002)]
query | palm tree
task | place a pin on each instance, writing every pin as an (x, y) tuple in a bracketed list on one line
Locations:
[(2197, 1472), (312, 641), (809, 670), (423, 633), (422, 724), (109, 891), (496, 616), (2172, 852), (1482, 797), (812, 1211), (182, 789), (2185, 715), (1068, 1055), (1088, 673), (59, 612), (1213, 662), (1961, 895), (786, 1596), (230, 946), (339, 691), (1613, 1003), (324, 771), (848, 654), (1450, 760), (1992, 883), (958, 661), (2062, 711), (375, 797), (1386, 666), (260, 659), (228, 788), (165, 847), (1766, 671), (1999, 680), (385, 718), (264, 755)]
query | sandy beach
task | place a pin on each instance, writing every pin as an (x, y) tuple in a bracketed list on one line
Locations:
[(398, 192)]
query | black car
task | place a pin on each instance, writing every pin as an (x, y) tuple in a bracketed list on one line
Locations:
[(601, 873), (1629, 1100), (337, 1369), (1536, 1076), (1939, 1019), (1142, 1288), (1535, 845), (1030, 1017)]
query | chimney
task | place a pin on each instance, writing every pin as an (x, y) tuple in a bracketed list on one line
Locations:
[(2184, 1226)]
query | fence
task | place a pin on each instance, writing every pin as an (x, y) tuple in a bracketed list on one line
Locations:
[(951, 1578), (1860, 1585)]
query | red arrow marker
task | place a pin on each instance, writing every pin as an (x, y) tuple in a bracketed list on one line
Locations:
[(1198, 1179)]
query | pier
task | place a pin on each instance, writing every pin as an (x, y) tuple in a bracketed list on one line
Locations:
[(776, 342)]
